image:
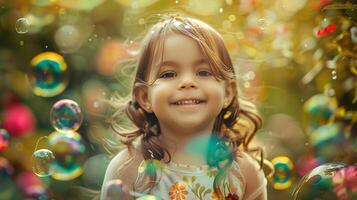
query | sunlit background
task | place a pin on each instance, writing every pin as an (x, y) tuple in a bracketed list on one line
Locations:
[(61, 61)]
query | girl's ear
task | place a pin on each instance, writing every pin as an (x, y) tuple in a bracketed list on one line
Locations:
[(141, 95), (231, 91)]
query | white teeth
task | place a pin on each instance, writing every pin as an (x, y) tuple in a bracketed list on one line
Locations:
[(185, 102)]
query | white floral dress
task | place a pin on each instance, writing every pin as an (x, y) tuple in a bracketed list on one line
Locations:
[(187, 182)]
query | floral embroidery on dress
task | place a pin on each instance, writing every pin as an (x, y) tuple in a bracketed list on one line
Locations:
[(214, 196), (200, 191), (178, 191), (212, 172)]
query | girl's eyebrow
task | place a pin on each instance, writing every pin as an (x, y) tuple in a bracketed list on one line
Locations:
[(175, 64)]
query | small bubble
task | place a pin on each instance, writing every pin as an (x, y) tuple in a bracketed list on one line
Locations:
[(22, 26), (95, 35), (331, 92), (46, 46), (221, 10), (90, 39), (21, 43), (334, 74), (177, 2), (232, 18)]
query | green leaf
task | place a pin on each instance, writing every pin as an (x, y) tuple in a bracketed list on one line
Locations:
[(185, 179), (193, 179), (200, 191), (207, 192)]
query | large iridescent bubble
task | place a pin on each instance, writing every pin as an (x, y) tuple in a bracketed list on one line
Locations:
[(70, 154), (317, 184), (66, 116), (4, 139), (48, 75), (43, 159)]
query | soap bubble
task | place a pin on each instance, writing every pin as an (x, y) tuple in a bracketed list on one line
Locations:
[(43, 159), (4, 139), (66, 116), (317, 184), (22, 26), (283, 173), (328, 140), (68, 38), (318, 110), (69, 152), (48, 75)]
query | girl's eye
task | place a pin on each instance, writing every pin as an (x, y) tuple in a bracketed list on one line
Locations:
[(167, 75), (204, 73)]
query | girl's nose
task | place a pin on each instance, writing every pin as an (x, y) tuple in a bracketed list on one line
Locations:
[(187, 81)]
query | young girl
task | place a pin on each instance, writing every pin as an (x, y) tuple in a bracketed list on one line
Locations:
[(185, 95)]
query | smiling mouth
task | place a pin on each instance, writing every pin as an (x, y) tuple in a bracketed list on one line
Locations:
[(190, 102)]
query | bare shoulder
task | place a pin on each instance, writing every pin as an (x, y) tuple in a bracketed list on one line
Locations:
[(124, 167), (254, 177)]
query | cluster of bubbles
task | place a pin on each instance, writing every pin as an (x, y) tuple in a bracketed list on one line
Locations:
[(64, 158)]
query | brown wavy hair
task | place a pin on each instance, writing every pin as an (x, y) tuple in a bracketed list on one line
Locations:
[(234, 127)]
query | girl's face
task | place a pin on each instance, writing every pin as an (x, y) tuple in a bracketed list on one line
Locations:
[(185, 93)]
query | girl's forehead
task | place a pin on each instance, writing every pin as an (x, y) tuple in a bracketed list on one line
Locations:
[(177, 48), (173, 45)]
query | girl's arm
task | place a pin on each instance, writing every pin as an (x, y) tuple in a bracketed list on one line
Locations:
[(124, 167), (256, 183)]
